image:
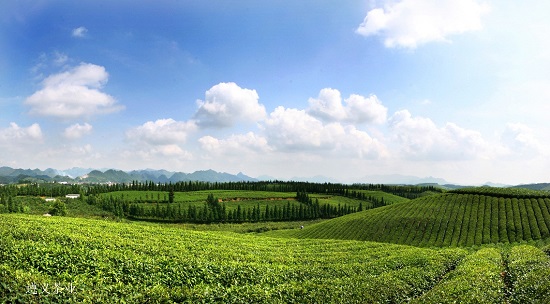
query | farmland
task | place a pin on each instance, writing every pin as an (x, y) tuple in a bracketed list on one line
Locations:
[(450, 219), (237, 205), (72, 259), (464, 246)]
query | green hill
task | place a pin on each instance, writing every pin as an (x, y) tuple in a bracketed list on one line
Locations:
[(465, 218), (75, 260)]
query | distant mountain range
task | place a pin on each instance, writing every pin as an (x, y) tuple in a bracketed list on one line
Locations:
[(88, 175), (10, 175)]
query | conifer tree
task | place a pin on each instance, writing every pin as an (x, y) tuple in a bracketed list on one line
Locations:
[(171, 196)]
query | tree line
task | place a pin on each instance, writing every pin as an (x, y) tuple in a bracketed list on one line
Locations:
[(408, 191), (214, 211), (56, 190)]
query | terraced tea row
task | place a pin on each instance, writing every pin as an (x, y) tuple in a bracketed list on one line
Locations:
[(442, 220), (78, 260), (106, 261)]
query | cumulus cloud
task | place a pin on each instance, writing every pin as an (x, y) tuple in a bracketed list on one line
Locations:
[(155, 141), (360, 144), (79, 32), (73, 94), (235, 144), (162, 132), (409, 23), (357, 109), (77, 131), (295, 130), (420, 138), (365, 109), (226, 104), (327, 106), (20, 135)]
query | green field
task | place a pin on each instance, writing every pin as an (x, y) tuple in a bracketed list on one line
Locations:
[(246, 199), (452, 219), (82, 260), (476, 245), (234, 206)]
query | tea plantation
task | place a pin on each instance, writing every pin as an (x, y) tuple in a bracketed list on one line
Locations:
[(470, 246), (450, 219), (56, 259)]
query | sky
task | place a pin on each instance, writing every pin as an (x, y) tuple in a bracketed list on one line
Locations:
[(348, 90)]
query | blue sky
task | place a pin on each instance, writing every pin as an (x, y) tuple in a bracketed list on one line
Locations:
[(453, 89)]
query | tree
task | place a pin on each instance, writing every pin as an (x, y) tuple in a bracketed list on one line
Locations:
[(171, 196), (58, 208)]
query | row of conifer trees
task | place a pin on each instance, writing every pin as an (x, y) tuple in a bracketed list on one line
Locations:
[(215, 211)]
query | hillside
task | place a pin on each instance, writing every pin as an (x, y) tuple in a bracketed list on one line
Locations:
[(73, 260), (451, 219), (540, 186)]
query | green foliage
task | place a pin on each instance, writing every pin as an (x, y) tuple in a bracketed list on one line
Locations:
[(528, 275), (223, 206), (58, 208), (73, 260), (441, 220), (504, 192), (100, 261), (477, 279)]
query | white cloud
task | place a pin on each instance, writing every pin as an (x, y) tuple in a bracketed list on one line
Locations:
[(293, 130), (162, 132), (420, 138), (358, 109), (365, 109), (409, 23), (327, 106), (77, 131), (226, 104), (518, 139), (165, 156), (60, 58), (20, 135), (79, 32), (73, 94), (235, 144), (360, 144), (170, 150)]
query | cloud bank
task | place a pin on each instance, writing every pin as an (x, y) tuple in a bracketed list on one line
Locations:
[(420, 138)]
